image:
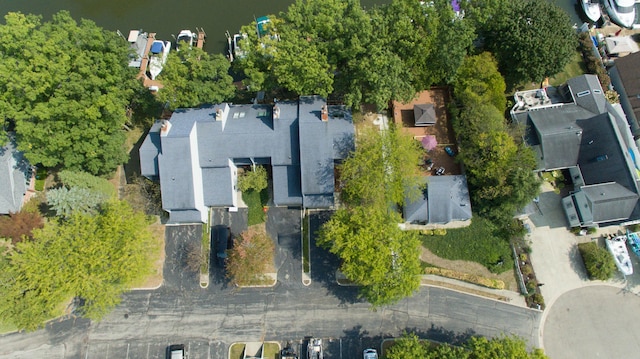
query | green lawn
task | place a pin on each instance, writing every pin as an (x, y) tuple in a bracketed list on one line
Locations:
[(256, 201), (575, 67), (41, 175), (478, 243), (7, 328)]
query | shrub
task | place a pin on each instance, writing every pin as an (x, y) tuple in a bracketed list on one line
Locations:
[(531, 287), (439, 232), (523, 257), (575, 230), (598, 261), (526, 270), (592, 230), (537, 298), (253, 180)]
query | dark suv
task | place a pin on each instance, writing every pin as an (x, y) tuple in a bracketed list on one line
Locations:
[(223, 243)]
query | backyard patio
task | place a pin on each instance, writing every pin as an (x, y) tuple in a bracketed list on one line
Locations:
[(431, 103)]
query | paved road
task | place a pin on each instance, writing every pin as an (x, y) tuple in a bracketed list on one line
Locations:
[(209, 320), (146, 322)]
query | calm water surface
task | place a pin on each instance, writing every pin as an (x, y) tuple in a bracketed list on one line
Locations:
[(167, 17)]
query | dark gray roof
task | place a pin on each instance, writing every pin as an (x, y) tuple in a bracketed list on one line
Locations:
[(587, 93), (286, 185), (559, 134), (448, 199), (424, 114), (149, 151), (216, 182), (185, 216), (445, 199), (417, 210), (177, 182), (197, 156), (319, 141), (14, 173), (610, 201)]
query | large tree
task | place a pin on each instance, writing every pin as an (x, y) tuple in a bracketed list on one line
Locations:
[(384, 165), (65, 85), (499, 169), (531, 40), (250, 257), (192, 77), (376, 254), (93, 258)]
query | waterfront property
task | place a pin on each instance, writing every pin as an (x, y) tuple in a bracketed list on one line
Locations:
[(197, 154), (573, 128)]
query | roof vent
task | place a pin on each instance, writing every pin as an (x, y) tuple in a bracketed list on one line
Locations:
[(276, 112)]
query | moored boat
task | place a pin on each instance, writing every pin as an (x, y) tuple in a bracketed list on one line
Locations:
[(618, 249), (159, 52), (633, 240), (185, 38), (591, 9), (621, 12)]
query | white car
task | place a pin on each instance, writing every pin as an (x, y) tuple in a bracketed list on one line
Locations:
[(370, 354)]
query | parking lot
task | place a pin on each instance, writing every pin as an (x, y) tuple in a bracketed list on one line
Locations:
[(196, 349)]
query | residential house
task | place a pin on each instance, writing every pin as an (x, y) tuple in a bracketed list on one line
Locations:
[(625, 79), (575, 129), (15, 176), (197, 153), (444, 203)]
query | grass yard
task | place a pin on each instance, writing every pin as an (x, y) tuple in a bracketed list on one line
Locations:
[(7, 328), (575, 67), (41, 176), (256, 201), (477, 243)]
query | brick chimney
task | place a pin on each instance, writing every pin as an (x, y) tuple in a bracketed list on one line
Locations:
[(324, 113)]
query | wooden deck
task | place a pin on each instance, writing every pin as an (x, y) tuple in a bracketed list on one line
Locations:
[(442, 130)]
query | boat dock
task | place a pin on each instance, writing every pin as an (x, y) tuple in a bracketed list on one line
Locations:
[(201, 37), (146, 80)]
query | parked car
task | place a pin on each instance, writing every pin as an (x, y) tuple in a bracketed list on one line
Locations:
[(223, 241), (176, 351), (449, 151), (370, 354)]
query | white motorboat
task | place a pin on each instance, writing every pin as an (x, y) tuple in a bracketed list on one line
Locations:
[(159, 52), (618, 249), (621, 12), (186, 37), (592, 10), (238, 52), (314, 349)]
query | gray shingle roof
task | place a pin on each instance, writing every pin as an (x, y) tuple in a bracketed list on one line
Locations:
[(198, 153), (14, 174), (610, 201), (445, 199), (149, 151), (424, 114), (587, 93)]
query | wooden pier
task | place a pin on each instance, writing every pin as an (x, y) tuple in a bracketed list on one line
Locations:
[(201, 37)]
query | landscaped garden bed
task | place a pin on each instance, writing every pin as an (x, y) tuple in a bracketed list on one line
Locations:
[(529, 285)]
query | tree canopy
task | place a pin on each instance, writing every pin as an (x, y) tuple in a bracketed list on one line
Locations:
[(192, 77), (499, 169), (531, 40), (376, 254), (65, 85), (94, 258), (335, 47), (251, 255)]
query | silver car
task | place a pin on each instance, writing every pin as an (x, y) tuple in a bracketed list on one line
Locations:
[(370, 354)]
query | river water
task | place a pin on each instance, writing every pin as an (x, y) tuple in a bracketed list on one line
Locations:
[(167, 17)]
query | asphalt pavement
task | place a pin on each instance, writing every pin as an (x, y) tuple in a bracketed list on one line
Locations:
[(209, 320)]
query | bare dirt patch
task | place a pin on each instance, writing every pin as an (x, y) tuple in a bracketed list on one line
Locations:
[(507, 277)]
